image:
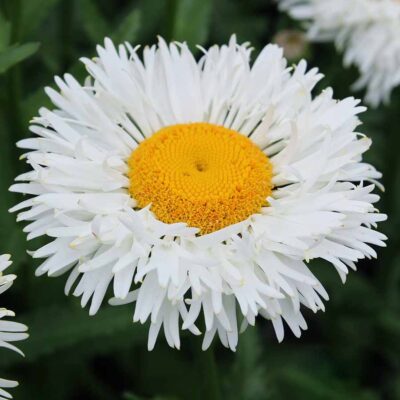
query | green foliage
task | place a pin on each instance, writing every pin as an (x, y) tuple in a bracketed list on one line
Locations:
[(248, 379), (12, 54), (349, 352), (94, 24), (5, 33), (15, 54), (319, 386), (97, 27), (128, 27), (58, 328), (34, 13), (191, 21)]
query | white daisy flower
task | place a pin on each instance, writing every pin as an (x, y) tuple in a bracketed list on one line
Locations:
[(198, 189), (367, 31), (9, 331)]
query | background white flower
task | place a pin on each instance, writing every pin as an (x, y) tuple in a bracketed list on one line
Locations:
[(9, 331), (367, 31), (321, 205)]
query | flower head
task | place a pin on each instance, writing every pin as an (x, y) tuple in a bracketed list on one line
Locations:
[(367, 31), (198, 189), (9, 331)]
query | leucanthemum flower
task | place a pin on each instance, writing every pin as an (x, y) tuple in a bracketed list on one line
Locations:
[(367, 31), (10, 331), (198, 189)]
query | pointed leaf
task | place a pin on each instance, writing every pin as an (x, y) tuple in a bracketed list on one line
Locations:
[(5, 32), (128, 28), (58, 328), (15, 54), (192, 21), (94, 24)]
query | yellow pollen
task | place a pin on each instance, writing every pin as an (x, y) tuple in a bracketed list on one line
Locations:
[(199, 173)]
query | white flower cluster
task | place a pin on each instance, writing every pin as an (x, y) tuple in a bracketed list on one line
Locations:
[(367, 31)]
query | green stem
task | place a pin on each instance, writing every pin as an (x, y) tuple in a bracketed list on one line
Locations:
[(14, 85), (66, 33), (209, 373), (172, 8), (16, 20), (391, 174)]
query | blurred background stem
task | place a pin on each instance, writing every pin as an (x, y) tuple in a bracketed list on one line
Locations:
[(172, 7), (14, 83), (209, 372), (66, 33)]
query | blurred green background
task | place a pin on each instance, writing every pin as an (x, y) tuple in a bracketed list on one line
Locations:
[(352, 351)]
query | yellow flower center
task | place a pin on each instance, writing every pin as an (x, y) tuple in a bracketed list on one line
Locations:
[(203, 174)]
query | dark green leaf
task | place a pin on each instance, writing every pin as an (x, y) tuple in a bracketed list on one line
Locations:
[(5, 33), (15, 54), (59, 328), (34, 13), (192, 21), (313, 385), (128, 28), (248, 379), (94, 24)]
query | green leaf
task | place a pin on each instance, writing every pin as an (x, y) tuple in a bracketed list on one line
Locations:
[(313, 385), (59, 328), (192, 21), (5, 33), (97, 27), (31, 104), (128, 28), (15, 54), (34, 13), (248, 379), (390, 322), (94, 24)]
